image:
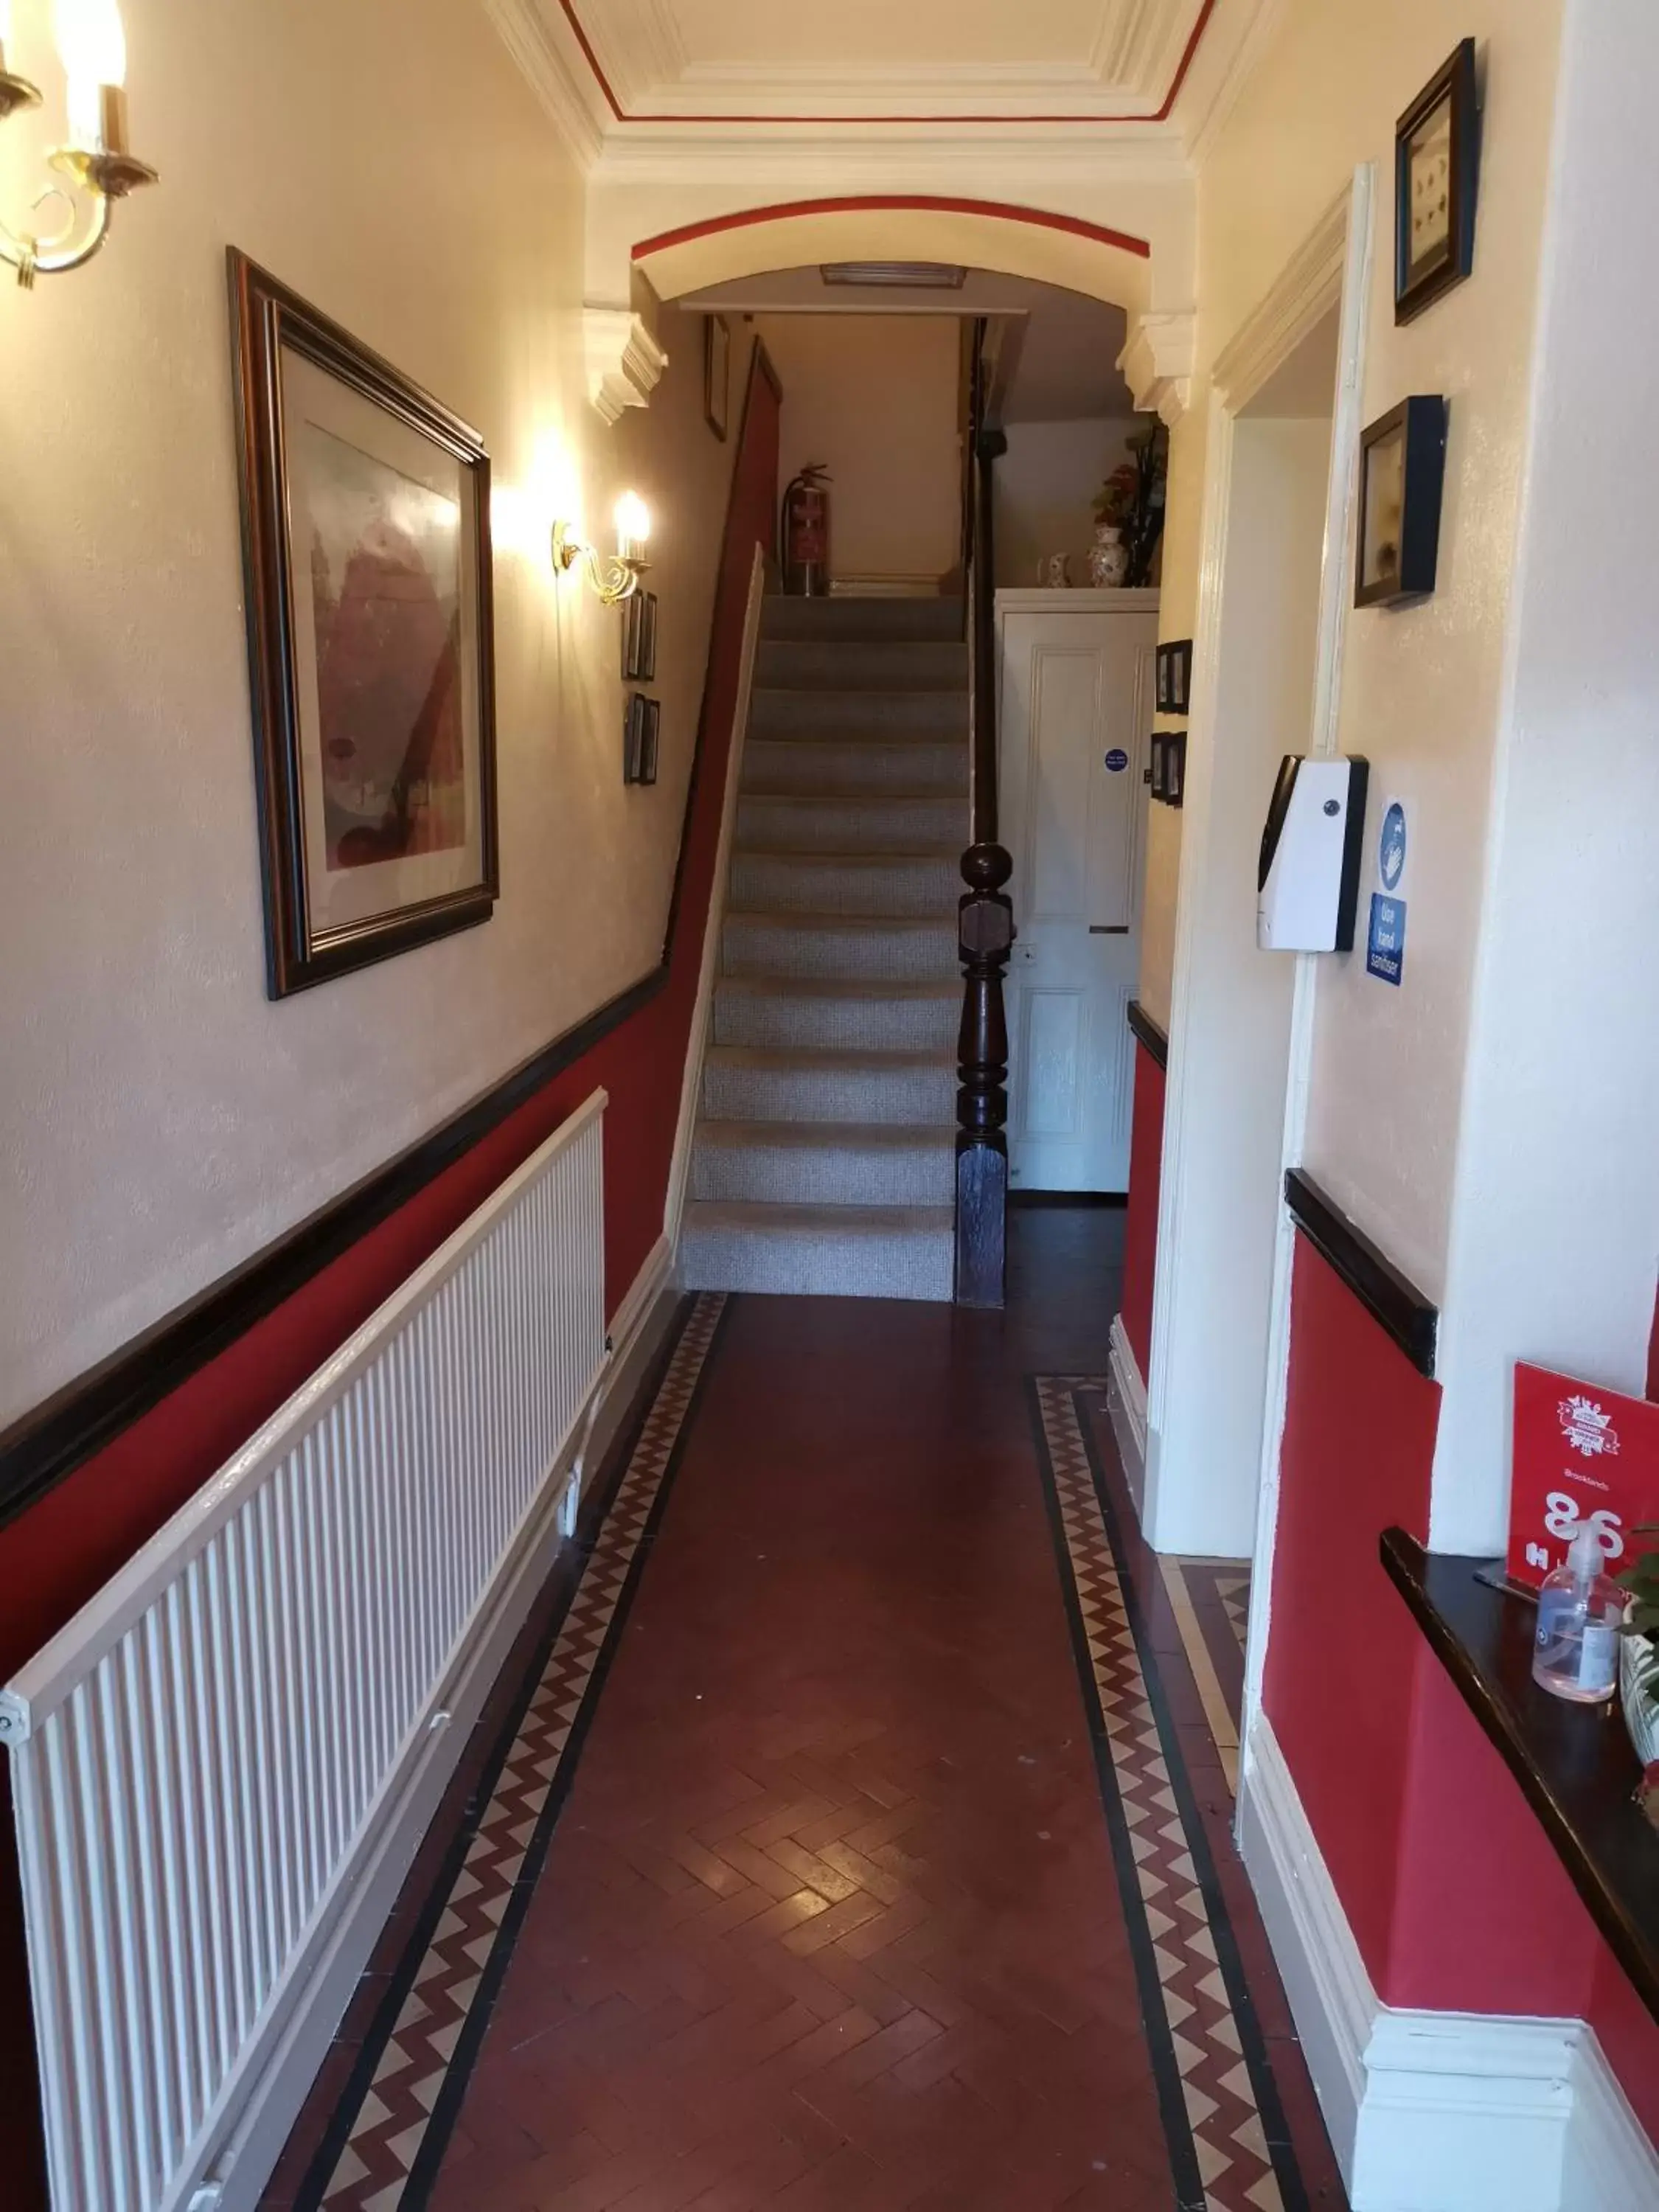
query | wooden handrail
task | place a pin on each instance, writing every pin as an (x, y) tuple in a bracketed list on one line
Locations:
[(985, 913)]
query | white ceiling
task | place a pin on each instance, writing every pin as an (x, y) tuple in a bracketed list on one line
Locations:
[(754, 59)]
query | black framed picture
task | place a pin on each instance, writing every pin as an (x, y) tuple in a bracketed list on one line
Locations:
[(1175, 675), (1402, 468), (1169, 770), (640, 738), (1436, 167), (365, 543), (640, 638), (717, 373)]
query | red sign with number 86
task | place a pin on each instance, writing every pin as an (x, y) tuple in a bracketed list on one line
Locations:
[(1581, 1453)]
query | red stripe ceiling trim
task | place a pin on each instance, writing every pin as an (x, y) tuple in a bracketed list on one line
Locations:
[(1159, 115), (1000, 210)]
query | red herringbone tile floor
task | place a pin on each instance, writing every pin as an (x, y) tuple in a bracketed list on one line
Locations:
[(830, 1917)]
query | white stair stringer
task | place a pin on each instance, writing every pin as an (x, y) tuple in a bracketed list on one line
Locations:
[(824, 1157)]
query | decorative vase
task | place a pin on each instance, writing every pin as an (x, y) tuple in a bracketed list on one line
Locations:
[(1056, 572), (1109, 557), (1639, 1693)]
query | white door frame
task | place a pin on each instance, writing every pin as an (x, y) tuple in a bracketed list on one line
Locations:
[(1331, 270)]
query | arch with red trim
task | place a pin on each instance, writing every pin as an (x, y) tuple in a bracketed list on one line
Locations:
[(997, 234)]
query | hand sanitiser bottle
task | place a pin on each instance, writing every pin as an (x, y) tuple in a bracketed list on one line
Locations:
[(1580, 1609)]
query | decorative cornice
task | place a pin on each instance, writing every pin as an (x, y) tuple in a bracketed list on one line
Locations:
[(1305, 291), (1157, 362), (948, 95), (624, 361), (556, 73)]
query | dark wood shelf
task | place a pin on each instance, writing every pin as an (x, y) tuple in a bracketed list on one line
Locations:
[(1574, 1763)]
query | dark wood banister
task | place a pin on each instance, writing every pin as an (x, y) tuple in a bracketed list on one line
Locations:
[(985, 913)]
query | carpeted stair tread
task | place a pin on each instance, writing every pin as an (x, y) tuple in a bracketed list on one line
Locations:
[(864, 621), (876, 1251)]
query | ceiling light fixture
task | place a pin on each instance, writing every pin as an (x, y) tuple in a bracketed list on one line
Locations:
[(94, 49), (910, 276)]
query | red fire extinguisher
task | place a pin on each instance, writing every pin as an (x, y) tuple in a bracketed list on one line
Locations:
[(806, 532)]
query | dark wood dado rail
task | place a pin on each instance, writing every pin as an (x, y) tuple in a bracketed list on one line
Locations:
[(1391, 1299), (1147, 1030), (985, 913)]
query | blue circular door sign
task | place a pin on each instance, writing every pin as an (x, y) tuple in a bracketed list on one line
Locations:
[(1391, 847), (1117, 760)]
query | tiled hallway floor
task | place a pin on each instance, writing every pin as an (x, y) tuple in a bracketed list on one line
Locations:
[(862, 1841)]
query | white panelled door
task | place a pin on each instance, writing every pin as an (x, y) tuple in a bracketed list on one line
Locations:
[(1076, 712)]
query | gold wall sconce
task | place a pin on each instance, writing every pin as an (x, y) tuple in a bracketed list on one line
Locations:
[(618, 578), (96, 158)]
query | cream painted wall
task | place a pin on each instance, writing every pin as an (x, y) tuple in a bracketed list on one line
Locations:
[(876, 397), (1046, 486), (159, 1118), (1421, 690)]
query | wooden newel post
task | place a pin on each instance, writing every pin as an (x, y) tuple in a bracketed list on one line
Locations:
[(984, 931)]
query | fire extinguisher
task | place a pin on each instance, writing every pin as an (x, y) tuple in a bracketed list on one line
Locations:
[(806, 533)]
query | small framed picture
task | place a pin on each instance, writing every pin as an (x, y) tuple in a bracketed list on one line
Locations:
[(1175, 675), (640, 638), (1402, 468), (640, 739), (717, 373), (365, 545), (1436, 162), (1175, 767)]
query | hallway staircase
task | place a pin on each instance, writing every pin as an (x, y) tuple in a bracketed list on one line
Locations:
[(824, 1154)]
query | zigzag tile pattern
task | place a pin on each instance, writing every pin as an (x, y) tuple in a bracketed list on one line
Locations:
[(389, 2128), (1199, 2029)]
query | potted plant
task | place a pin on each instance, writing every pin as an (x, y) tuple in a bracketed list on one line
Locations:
[(1639, 1671), (1129, 511)]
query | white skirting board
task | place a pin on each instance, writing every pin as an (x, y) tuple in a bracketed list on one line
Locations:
[(1125, 1405), (268, 2118), (1431, 2112)]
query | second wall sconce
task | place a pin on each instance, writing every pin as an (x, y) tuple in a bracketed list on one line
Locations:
[(617, 578), (96, 158)]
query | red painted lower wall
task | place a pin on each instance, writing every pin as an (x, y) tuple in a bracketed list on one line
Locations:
[(1140, 1220), (1455, 1897), (56, 1556)]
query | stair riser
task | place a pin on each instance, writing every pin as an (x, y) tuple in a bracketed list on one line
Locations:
[(755, 944), (894, 715), (792, 665), (777, 1022), (841, 1174), (913, 1097), (856, 770), (851, 825), (767, 883), (912, 1264), (864, 621)]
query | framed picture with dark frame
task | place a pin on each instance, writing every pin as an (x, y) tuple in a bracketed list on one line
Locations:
[(1437, 168), (1402, 469), (1175, 675), (366, 542), (717, 374), (640, 638), (640, 739), (1169, 775)]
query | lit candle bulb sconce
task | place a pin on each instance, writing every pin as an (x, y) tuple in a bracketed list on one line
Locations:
[(96, 158), (616, 578)]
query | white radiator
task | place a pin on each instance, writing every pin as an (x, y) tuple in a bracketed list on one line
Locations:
[(210, 1761)]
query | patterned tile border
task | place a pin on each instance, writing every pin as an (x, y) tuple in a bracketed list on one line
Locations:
[(388, 2136), (1229, 2145)]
